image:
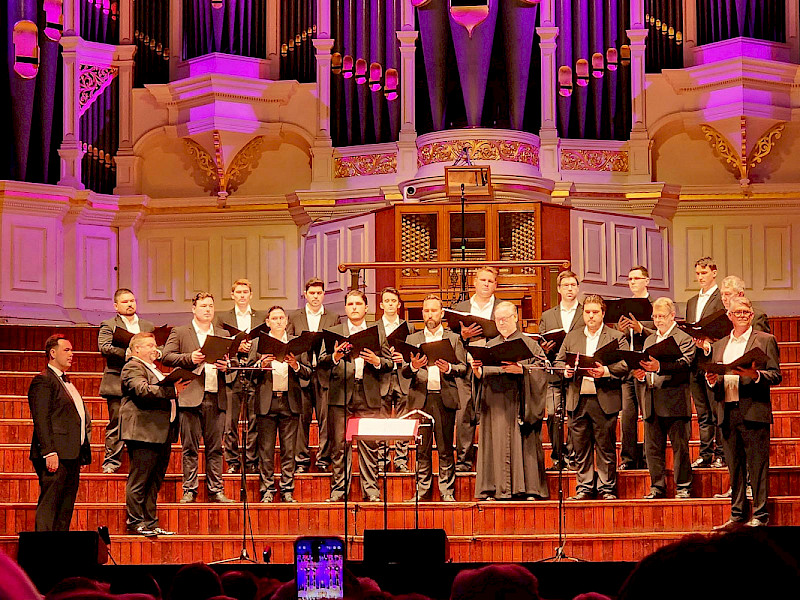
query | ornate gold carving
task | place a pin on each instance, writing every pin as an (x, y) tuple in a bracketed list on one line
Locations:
[(479, 149), (210, 171), (365, 164), (594, 160), (742, 163), (91, 83)]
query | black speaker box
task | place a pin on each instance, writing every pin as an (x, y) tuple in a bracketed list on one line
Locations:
[(49, 556), (405, 546)]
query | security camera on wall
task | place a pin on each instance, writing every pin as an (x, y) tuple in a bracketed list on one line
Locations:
[(409, 193)]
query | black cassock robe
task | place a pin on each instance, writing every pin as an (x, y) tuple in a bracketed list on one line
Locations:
[(510, 455)]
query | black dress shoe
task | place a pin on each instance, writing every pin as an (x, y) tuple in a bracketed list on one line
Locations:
[(729, 525), (448, 498), (323, 467), (267, 498), (655, 495), (301, 469), (754, 522), (718, 463), (725, 494), (417, 498), (252, 469), (232, 469), (462, 468), (582, 496), (335, 498), (401, 469), (143, 530), (160, 531), (188, 497), (626, 467), (608, 496), (683, 494), (373, 498), (219, 497), (701, 463), (287, 497)]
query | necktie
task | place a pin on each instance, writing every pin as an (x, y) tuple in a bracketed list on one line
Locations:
[(64, 378)]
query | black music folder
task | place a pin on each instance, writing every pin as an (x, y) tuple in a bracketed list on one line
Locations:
[(216, 347), (122, 337), (714, 327), (399, 335), (666, 350), (640, 308), (432, 350), (601, 356), (508, 352), (162, 334), (368, 339), (756, 355), (455, 318), (262, 329), (176, 375), (297, 346)]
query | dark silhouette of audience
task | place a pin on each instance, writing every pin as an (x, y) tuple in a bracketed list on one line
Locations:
[(196, 581)]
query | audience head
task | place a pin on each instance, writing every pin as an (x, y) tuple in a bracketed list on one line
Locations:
[(390, 302), (485, 282), (241, 585), (663, 314), (314, 294), (144, 347), (567, 286), (505, 316), (638, 280), (432, 312), (242, 292), (135, 582), (203, 307), (594, 309), (355, 305), (731, 287), (58, 350), (125, 302), (196, 581), (495, 582), (14, 582), (277, 320), (78, 587), (705, 269)]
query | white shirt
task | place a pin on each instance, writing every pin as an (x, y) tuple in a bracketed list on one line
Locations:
[(587, 383), (280, 370), (314, 318), (76, 398), (567, 315), (131, 325), (486, 312), (173, 411), (210, 370), (389, 327), (358, 363), (735, 349), (434, 376), (702, 300), (243, 322)]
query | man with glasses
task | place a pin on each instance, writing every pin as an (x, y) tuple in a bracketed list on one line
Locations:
[(744, 411)]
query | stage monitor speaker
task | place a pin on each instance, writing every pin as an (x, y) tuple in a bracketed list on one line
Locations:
[(49, 556), (405, 546)]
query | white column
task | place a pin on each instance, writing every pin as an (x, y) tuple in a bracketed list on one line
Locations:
[(548, 134), (126, 21), (792, 25), (72, 17), (407, 142), (273, 30), (70, 151), (322, 150), (125, 159), (690, 32), (639, 148), (175, 37)]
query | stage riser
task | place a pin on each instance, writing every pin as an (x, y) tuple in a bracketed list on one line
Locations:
[(94, 487)]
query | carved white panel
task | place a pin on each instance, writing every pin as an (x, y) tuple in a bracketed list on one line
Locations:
[(592, 251), (234, 261), (357, 248), (273, 267), (99, 262), (656, 256), (197, 277), (699, 243), (310, 259), (159, 269), (625, 252), (739, 252), (778, 267), (331, 257), (29, 254)]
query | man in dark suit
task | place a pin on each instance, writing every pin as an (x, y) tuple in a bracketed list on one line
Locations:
[(744, 411), (313, 317), (149, 426), (663, 389), (110, 387), (278, 404), (434, 390), (705, 303), (244, 318), (567, 315), (394, 384), (481, 304), (61, 437), (594, 399), (355, 391), (203, 402)]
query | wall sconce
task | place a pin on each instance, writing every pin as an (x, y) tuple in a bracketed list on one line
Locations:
[(390, 85), (582, 72), (336, 63), (598, 65), (347, 66), (26, 49), (565, 81), (375, 74), (361, 71)]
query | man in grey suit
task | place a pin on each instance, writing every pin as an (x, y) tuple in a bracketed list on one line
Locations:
[(594, 399), (567, 315), (732, 287), (394, 384), (663, 388), (244, 318), (110, 387), (481, 304), (149, 426), (313, 317), (434, 390), (202, 404)]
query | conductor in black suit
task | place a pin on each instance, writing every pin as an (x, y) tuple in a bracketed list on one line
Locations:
[(244, 318), (110, 386), (61, 437), (149, 424), (434, 390), (705, 303), (313, 317), (744, 411), (355, 391)]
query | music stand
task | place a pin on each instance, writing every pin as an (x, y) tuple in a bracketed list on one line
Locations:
[(385, 430)]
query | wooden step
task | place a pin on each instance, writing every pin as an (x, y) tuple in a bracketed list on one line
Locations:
[(790, 352), (315, 487), (786, 329)]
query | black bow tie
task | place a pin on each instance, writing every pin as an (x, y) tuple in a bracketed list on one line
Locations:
[(64, 378)]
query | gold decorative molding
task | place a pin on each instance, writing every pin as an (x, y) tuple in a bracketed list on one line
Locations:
[(594, 160), (479, 149), (740, 162), (210, 171), (364, 164), (92, 80)]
